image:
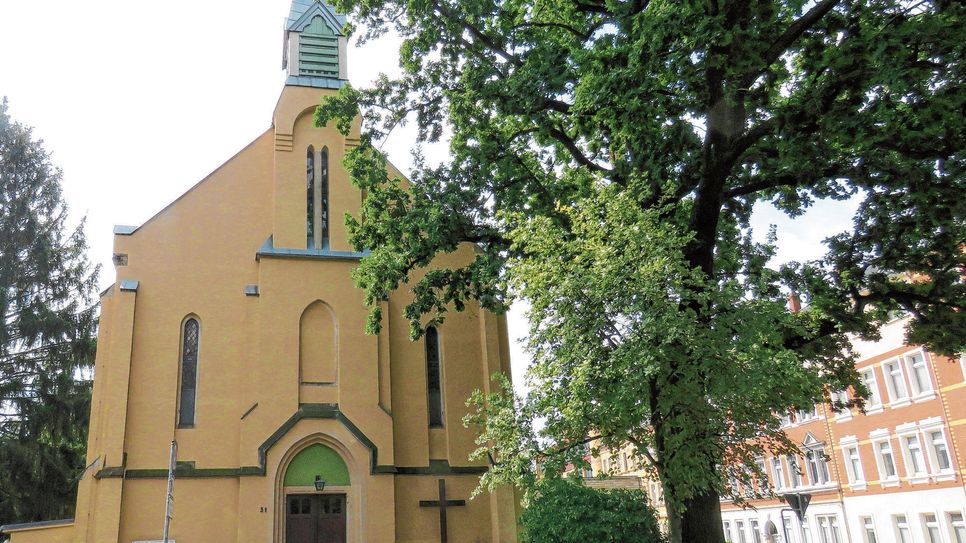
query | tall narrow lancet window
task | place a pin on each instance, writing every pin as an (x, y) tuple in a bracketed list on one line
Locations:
[(310, 197), (324, 199), (434, 378), (190, 336)]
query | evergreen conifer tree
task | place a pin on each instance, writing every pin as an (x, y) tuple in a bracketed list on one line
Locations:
[(47, 334)]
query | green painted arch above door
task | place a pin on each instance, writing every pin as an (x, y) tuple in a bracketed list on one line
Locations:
[(316, 459)]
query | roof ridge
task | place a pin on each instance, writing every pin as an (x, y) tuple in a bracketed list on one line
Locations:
[(301, 7)]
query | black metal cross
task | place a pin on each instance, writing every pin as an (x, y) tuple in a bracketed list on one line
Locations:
[(442, 503)]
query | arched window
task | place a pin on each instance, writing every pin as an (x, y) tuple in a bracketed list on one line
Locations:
[(310, 197), (190, 336), (324, 198), (434, 378)]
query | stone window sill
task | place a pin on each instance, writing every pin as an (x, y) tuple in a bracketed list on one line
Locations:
[(889, 483), (918, 479)]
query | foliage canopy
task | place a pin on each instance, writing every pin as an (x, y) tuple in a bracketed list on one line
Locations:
[(567, 511), (606, 158)]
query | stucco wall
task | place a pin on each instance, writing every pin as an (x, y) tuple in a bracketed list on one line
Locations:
[(195, 258), (50, 534)]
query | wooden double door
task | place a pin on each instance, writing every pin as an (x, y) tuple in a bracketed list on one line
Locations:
[(315, 518)]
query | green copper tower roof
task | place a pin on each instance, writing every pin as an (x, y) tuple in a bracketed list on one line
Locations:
[(303, 11), (314, 54)]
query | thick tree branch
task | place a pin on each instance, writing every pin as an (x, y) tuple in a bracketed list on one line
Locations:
[(575, 150), (548, 453), (646, 453), (592, 7), (790, 181), (584, 36), (478, 35), (789, 37)]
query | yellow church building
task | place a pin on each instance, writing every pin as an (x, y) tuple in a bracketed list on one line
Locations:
[(235, 330)]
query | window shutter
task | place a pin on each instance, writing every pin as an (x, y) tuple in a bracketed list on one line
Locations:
[(318, 50)]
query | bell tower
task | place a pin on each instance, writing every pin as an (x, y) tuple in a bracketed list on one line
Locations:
[(312, 189), (315, 46)]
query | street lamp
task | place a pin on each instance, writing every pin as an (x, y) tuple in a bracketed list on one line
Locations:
[(319, 483)]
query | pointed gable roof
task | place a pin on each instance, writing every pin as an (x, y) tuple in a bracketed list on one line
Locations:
[(303, 11), (811, 441)]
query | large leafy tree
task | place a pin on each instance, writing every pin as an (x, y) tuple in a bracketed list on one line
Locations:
[(606, 157), (47, 325)]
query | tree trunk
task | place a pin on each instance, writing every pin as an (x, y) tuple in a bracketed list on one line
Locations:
[(673, 526), (701, 521)]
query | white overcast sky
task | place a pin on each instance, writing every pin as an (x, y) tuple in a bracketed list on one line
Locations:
[(138, 101)]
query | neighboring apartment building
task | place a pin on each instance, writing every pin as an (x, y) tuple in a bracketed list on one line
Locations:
[(892, 475)]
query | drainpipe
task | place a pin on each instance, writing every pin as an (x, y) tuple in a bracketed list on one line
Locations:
[(838, 474)]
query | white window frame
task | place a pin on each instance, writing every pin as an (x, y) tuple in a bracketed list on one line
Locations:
[(878, 438), (807, 416), (747, 484), (658, 490), (841, 415), (726, 525), (927, 428), (761, 484), (867, 524), (755, 530), (812, 451), (740, 530), (897, 527), (955, 524), (828, 529), (872, 407), (806, 531), (895, 400), (934, 523), (795, 472), (778, 473), (906, 432), (850, 451), (919, 394)]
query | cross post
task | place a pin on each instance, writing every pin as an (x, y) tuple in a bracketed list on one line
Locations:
[(442, 503)]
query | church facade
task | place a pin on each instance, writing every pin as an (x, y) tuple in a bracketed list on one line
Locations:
[(235, 330)]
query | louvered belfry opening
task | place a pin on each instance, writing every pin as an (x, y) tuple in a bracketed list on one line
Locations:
[(318, 50)]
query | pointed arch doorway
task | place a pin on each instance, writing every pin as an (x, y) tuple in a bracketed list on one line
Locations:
[(310, 515)]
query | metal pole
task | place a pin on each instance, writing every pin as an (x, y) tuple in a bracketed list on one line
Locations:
[(781, 515), (169, 497)]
